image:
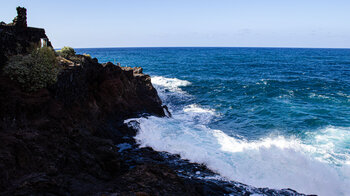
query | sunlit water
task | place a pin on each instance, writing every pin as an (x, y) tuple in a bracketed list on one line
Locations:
[(277, 118)]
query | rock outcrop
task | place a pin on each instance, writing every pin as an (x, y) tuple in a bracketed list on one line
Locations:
[(62, 139)]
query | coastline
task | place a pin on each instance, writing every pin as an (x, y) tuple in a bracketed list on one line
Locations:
[(70, 138)]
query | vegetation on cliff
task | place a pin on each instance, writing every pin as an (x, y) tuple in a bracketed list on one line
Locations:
[(66, 52), (34, 71)]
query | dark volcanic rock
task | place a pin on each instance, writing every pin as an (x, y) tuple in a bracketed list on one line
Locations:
[(101, 92), (59, 140)]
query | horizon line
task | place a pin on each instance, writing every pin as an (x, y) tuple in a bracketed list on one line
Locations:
[(272, 47)]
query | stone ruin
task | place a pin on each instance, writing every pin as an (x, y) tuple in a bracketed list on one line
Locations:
[(21, 19), (17, 38)]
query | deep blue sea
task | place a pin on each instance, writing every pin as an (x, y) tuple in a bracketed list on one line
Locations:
[(266, 117)]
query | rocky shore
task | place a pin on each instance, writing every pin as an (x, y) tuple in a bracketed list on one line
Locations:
[(70, 138)]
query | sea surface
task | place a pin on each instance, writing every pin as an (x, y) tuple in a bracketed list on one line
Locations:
[(266, 117)]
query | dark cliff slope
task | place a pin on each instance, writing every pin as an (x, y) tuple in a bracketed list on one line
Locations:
[(58, 137)]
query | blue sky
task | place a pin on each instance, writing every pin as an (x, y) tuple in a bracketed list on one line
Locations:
[(156, 23)]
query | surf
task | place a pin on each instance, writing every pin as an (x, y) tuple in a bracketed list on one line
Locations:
[(317, 163)]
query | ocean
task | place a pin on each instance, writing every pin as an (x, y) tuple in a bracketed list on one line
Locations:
[(266, 117)]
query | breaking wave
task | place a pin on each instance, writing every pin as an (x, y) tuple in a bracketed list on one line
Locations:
[(318, 163)]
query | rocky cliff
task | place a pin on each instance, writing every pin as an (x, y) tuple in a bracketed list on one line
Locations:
[(63, 140), (69, 138)]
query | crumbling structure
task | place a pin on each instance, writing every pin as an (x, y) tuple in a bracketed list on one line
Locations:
[(18, 38), (20, 20)]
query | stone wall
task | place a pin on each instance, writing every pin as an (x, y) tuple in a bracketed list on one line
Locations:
[(20, 21), (17, 38)]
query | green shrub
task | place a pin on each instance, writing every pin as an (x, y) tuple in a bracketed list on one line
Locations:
[(34, 71), (66, 52), (87, 55)]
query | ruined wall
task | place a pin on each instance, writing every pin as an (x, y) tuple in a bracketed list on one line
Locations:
[(20, 21), (17, 38)]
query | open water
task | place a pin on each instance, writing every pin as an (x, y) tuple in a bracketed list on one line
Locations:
[(266, 117)]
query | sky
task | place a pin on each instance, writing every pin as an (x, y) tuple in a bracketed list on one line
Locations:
[(193, 23)]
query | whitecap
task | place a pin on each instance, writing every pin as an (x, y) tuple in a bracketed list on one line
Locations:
[(316, 164), (171, 84), (274, 162), (195, 108), (169, 89)]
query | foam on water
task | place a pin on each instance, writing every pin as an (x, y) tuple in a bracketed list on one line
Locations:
[(315, 164), (169, 89), (171, 84), (332, 143)]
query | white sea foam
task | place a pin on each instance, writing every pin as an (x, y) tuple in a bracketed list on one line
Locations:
[(316, 96), (196, 113), (317, 164), (332, 143), (171, 84), (194, 108), (271, 162), (168, 88)]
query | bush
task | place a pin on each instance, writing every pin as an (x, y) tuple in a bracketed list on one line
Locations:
[(34, 71), (87, 55), (66, 52)]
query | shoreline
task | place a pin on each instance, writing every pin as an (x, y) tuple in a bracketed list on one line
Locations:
[(69, 138)]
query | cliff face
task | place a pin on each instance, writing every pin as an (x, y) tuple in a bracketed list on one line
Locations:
[(69, 130), (106, 91), (61, 139)]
